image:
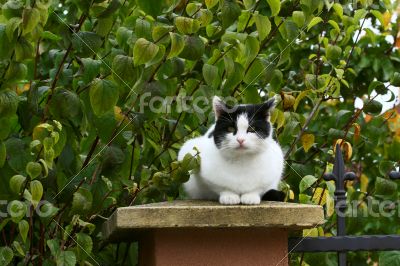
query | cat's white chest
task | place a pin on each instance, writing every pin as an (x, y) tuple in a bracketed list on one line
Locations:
[(241, 174)]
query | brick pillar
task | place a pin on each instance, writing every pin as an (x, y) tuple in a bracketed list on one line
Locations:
[(213, 246)]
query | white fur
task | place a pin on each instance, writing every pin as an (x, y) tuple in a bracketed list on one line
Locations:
[(233, 174)]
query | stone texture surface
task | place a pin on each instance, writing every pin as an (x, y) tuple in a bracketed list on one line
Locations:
[(130, 223)]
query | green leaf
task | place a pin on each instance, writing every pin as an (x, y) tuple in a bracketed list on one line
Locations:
[(333, 52), (144, 51), (36, 191), (193, 49), (252, 46), (391, 258), (234, 77), (385, 188), (386, 166), (103, 96), (211, 3), (275, 6), (3, 154), (86, 43), (151, 7), (33, 169), (177, 45), (5, 44), (300, 97), (160, 34), (6, 255), (378, 86), (395, 79), (306, 182), (205, 17), (124, 71), (314, 22), (211, 76), (142, 28), (8, 103), (91, 68), (334, 25), (66, 258), (17, 246), (65, 104), (23, 227), (230, 11), (15, 72), (17, 210), (5, 129), (30, 19), (82, 201), (16, 183), (379, 16), (187, 25), (111, 8), (54, 246), (299, 18), (372, 108), (11, 26), (23, 49), (338, 9), (263, 26), (50, 36), (85, 246), (159, 56)]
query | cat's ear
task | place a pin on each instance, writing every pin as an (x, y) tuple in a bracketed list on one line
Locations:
[(219, 106), (267, 107)]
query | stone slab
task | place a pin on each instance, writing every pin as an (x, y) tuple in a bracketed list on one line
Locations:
[(129, 223)]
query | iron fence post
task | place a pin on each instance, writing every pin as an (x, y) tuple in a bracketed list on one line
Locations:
[(340, 176)]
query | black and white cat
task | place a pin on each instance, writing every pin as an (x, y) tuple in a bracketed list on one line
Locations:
[(240, 161)]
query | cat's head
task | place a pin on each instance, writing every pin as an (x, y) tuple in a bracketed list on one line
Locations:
[(241, 128)]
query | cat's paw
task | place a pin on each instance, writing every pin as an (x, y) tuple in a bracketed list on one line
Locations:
[(228, 198), (250, 199)]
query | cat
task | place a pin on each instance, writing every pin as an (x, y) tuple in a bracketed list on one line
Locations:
[(240, 161)]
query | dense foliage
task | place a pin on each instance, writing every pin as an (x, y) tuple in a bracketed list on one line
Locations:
[(83, 130)]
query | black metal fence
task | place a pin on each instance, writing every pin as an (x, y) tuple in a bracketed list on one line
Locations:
[(343, 243)]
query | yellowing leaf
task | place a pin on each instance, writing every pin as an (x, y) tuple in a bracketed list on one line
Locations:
[(364, 183), (313, 232), (144, 51), (346, 148), (320, 195), (386, 19), (291, 195), (187, 25), (211, 3), (288, 101), (307, 140), (300, 97), (119, 116), (357, 131), (330, 205), (177, 45)]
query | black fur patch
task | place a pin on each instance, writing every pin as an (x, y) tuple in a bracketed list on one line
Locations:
[(274, 195), (256, 113)]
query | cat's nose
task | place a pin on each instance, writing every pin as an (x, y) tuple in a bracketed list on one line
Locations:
[(240, 140)]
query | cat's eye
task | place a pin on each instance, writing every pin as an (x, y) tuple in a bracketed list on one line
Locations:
[(251, 130), (231, 129)]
